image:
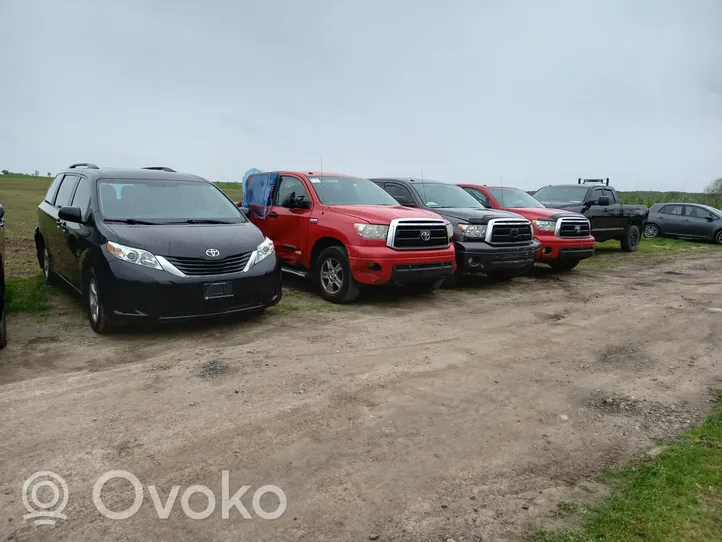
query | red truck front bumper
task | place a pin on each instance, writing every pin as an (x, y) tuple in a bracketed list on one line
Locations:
[(555, 248), (379, 265)]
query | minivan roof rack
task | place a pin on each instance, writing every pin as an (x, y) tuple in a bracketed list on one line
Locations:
[(161, 168), (592, 181), (83, 164)]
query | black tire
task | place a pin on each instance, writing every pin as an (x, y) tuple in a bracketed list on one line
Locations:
[(718, 237), (94, 306), (332, 275), (651, 231), (502, 276), (47, 267), (630, 241), (563, 265), (425, 287), (3, 330)]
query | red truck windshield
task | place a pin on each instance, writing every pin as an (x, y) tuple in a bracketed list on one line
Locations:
[(513, 198), (349, 191)]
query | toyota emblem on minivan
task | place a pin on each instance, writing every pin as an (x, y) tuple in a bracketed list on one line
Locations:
[(212, 252)]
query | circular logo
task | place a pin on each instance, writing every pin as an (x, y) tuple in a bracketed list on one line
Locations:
[(425, 235), (514, 233), (212, 252), (45, 512), (577, 229)]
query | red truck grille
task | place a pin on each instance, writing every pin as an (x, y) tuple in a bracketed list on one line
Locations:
[(573, 227), (418, 234)]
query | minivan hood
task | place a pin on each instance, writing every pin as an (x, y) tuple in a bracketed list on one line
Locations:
[(189, 240), (475, 216), (380, 214)]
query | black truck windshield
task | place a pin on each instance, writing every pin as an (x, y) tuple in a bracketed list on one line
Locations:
[(349, 191), (165, 201), (561, 194), (446, 196), (513, 198)]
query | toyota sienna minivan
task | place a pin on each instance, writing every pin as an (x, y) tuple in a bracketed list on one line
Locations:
[(152, 244)]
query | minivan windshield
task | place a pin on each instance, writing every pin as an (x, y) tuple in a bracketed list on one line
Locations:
[(349, 191), (561, 194), (158, 201), (513, 198), (445, 196)]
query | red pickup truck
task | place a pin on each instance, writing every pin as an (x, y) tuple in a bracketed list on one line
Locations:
[(565, 236), (345, 232)]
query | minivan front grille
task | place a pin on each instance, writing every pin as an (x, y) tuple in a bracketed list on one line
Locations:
[(573, 227), (509, 232), (418, 234), (202, 266)]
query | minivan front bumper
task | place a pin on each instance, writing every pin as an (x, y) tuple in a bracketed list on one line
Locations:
[(130, 292)]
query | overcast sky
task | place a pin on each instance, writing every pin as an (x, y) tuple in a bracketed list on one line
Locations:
[(534, 92)]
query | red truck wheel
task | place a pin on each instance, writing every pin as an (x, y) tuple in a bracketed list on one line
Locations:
[(332, 274)]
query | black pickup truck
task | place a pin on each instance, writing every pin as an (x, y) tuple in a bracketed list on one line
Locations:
[(598, 201), (498, 243)]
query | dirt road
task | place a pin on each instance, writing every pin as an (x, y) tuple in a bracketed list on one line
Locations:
[(464, 415)]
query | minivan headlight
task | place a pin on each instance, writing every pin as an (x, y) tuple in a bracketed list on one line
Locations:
[(372, 231), (263, 251), (137, 256)]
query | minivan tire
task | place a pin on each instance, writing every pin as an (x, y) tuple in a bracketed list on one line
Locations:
[(332, 275), (630, 241), (96, 312), (3, 329), (47, 266)]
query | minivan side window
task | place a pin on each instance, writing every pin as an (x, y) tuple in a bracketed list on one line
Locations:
[(65, 193), (81, 198), (50, 196)]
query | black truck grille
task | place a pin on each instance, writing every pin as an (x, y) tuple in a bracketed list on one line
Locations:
[(510, 232), (573, 227), (221, 266), (420, 235)]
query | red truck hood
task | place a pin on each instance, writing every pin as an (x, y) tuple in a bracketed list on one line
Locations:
[(380, 214), (532, 213)]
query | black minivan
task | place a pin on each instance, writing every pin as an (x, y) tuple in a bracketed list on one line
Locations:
[(152, 244)]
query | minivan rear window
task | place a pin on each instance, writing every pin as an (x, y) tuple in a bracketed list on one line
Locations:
[(166, 201)]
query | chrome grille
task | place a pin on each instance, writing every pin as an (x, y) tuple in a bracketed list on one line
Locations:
[(417, 234), (202, 266), (573, 227), (503, 231)]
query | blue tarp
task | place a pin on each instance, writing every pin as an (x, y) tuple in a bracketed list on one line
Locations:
[(257, 189)]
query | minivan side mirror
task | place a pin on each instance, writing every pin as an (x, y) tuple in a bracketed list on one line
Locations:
[(603, 201), (70, 214)]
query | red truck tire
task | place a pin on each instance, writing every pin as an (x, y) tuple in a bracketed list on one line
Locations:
[(332, 275)]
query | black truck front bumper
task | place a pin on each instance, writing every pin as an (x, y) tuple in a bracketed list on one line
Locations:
[(481, 257)]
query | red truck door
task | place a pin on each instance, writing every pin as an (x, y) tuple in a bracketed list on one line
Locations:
[(288, 227)]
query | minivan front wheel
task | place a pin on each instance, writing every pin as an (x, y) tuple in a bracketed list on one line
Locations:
[(48, 273), (94, 305)]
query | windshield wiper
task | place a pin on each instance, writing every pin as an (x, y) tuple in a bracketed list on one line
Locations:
[(131, 221), (201, 221)]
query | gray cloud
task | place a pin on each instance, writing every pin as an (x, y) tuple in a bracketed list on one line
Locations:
[(538, 92)]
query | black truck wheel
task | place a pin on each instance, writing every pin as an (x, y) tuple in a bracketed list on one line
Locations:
[(630, 241), (3, 329), (563, 265), (332, 274)]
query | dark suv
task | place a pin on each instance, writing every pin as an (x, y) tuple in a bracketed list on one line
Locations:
[(3, 324), (498, 243), (152, 244)]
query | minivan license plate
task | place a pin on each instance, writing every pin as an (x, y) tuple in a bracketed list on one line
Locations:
[(214, 290)]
